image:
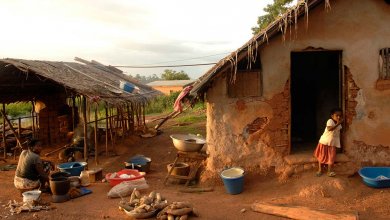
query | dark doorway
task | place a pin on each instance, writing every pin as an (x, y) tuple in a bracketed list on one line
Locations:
[(315, 90)]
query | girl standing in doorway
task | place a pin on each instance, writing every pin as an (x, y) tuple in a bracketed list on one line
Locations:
[(329, 141)]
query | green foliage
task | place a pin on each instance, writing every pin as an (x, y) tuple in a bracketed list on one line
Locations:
[(166, 75), (162, 103), (190, 122), (199, 106), (146, 79), (174, 75), (188, 129), (18, 109), (191, 118), (273, 11)]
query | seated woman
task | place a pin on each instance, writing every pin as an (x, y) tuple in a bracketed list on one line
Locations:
[(32, 172)]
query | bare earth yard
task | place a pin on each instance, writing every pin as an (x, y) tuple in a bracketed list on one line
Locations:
[(338, 194)]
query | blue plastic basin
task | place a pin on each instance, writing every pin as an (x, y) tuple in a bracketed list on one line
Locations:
[(377, 177), (139, 162), (74, 168)]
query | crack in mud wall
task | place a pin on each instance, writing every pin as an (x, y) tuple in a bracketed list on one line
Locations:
[(373, 155), (352, 91)]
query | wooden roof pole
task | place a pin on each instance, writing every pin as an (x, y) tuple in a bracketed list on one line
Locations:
[(18, 143), (73, 112), (96, 137), (85, 129), (106, 129), (4, 140), (33, 119)]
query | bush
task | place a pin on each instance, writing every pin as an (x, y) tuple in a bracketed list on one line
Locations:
[(162, 104), (18, 109)]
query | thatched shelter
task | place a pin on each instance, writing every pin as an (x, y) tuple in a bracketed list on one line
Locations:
[(24, 80), (268, 101), (66, 88)]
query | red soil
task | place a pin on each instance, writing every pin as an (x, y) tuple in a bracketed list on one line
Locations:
[(337, 194)]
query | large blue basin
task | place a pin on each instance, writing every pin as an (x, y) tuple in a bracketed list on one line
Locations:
[(377, 177), (74, 168)]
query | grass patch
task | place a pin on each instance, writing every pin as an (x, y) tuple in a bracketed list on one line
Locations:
[(190, 118), (18, 109), (188, 129), (162, 104)]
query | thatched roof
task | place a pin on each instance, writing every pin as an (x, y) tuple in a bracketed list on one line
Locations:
[(250, 49), (23, 80)]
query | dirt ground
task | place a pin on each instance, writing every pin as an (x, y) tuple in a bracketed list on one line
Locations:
[(337, 194)]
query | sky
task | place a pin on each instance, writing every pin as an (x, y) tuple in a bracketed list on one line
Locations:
[(128, 32)]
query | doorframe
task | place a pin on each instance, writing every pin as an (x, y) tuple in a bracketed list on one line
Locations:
[(343, 91)]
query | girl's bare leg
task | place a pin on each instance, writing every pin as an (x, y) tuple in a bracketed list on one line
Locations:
[(330, 168), (319, 167)]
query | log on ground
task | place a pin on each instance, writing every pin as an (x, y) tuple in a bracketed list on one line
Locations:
[(301, 212)]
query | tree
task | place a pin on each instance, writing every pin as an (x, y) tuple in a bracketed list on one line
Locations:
[(174, 75), (146, 79), (272, 12)]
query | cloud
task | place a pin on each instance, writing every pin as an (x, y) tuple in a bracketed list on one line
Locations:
[(127, 32)]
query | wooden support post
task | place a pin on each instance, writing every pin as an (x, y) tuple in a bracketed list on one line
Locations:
[(85, 129), (111, 131), (106, 130), (96, 135), (36, 121), (18, 143), (131, 115), (301, 212), (129, 119), (48, 129), (136, 115), (123, 126), (73, 113), (4, 139), (32, 117), (143, 114), (110, 124), (126, 128), (19, 126)]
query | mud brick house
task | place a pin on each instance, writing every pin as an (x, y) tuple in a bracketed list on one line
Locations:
[(268, 101), (169, 86)]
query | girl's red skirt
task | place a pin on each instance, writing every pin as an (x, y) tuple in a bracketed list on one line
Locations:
[(325, 154)]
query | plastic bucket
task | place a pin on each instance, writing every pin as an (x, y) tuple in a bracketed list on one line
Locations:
[(233, 180)]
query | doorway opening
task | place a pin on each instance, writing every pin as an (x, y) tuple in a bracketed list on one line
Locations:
[(315, 90)]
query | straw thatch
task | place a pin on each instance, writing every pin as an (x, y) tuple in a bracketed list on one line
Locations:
[(23, 80), (250, 49)]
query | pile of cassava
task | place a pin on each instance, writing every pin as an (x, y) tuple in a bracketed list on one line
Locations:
[(147, 206), (177, 211)]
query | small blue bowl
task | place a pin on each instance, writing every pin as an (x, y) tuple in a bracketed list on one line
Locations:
[(377, 177), (73, 168)]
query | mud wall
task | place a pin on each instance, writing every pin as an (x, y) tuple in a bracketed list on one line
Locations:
[(359, 29), (167, 90)]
